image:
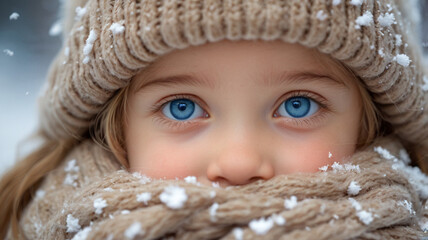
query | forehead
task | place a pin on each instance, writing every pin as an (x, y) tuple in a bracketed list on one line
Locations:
[(251, 59)]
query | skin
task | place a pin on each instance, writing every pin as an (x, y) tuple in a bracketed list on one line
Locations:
[(241, 136)]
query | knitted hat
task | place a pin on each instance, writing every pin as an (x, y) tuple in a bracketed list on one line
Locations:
[(107, 42)]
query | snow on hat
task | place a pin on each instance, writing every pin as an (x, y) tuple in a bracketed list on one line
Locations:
[(107, 42)]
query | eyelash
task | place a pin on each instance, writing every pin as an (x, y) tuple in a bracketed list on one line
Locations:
[(324, 105), (324, 108), (156, 109)]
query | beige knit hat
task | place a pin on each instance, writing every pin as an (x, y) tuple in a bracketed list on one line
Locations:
[(108, 41)]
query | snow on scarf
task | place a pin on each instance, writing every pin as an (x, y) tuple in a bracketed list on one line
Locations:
[(374, 195)]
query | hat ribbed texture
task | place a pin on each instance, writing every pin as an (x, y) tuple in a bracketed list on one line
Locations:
[(77, 88)]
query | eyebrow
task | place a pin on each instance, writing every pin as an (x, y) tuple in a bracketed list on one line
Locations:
[(182, 79), (293, 77), (285, 77)]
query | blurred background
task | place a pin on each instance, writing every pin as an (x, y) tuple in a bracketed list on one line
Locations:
[(27, 46), (22, 74)]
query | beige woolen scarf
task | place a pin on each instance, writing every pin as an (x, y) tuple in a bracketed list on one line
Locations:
[(373, 195)]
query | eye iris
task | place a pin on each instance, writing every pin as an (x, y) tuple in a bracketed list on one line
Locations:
[(182, 109), (297, 107)]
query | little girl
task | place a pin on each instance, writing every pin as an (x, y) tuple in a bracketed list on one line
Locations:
[(231, 119)]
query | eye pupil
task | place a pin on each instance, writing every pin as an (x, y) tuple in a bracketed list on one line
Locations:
[(182, 106), (297, 104)]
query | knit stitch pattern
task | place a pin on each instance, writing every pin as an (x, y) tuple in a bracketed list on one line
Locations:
[(102, 202), (97, 59)]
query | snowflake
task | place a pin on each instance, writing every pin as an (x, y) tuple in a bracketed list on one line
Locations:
[(117, 28), (423, 225), (345, 168), (290, 203), (213, 210), (386, 20), (71, 166), (80, 12), (144, 197), (408, 205), (99, 204), (278, 219), (404, 156), (55, 29), (261, 226), (66, 51), (365, 20), (72, 224), (336, 2), (353, 188), (385, 153), (14, 16), (174, 197), (398, 40), (70, 179), (323, 168), (87, 49), (321, 15), (143, 178), (134, 230), (365, 217), (191, 179), (238, 233), (40, 194), (425, 85), (403, 60), (355, 204), (357, 2), (8, 52), (83, 234), (381, 53)]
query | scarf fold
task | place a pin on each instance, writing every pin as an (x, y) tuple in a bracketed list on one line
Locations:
[(372, 195)]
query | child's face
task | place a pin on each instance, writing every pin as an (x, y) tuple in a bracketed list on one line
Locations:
[(235, 112)]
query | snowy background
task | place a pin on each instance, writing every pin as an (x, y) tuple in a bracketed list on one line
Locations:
[(22, 75)]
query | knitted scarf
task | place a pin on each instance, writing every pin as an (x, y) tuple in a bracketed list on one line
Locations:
[(374, 194)]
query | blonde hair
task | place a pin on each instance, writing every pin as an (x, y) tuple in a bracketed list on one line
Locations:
[(108, 129), (370, 117), (20, 183)]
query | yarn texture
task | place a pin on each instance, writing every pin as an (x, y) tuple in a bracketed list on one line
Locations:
[(373, 195), (111, 41)]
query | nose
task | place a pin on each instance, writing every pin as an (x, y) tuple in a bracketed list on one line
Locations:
[(239, 164)]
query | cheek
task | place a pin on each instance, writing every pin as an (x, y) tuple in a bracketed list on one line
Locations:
[(162, 159), (309, 153), (324, 153), (305, 156)]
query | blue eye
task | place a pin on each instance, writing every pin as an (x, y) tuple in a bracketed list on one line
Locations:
[(298, 107), (182, 109)]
